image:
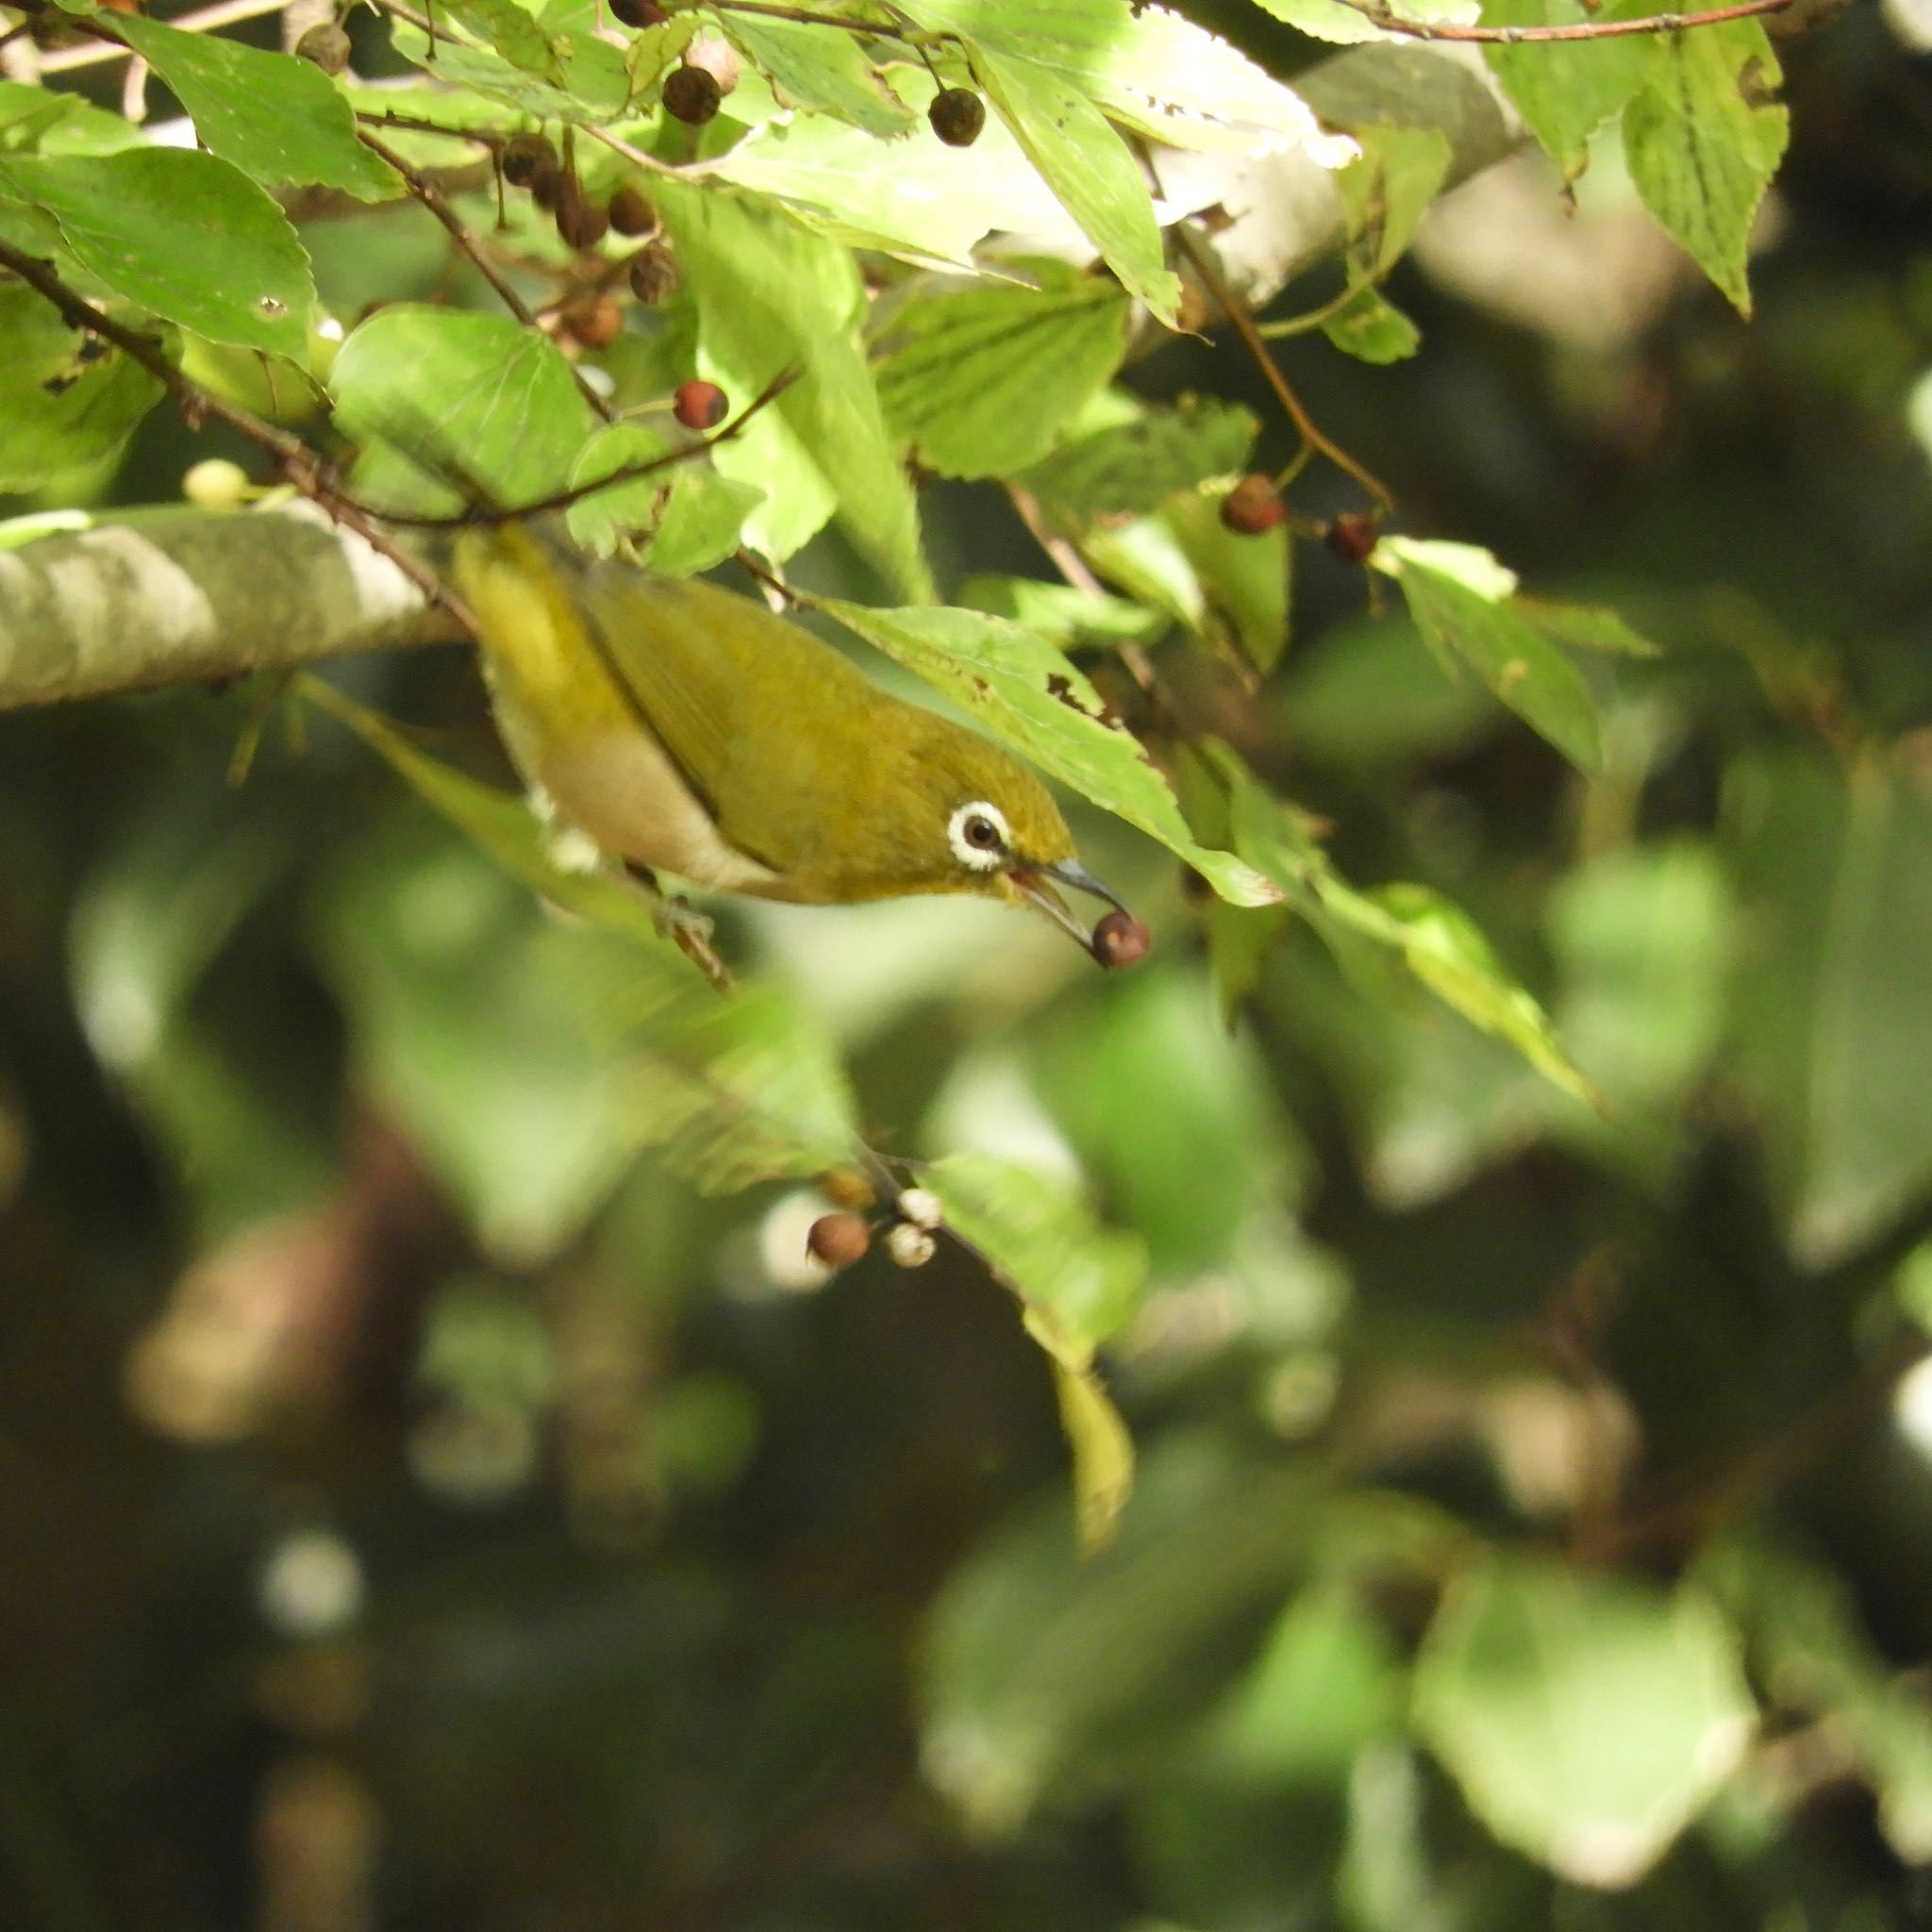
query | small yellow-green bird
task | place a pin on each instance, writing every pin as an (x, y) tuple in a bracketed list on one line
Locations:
[(686, 729)]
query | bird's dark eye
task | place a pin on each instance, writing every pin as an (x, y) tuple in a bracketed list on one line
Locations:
[(982, 833), (978, 836)]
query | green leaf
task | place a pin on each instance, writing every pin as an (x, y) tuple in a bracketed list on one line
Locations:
[(1834, 877), (1039, 1668), (980, 384), (691, 517), (821, 70), (1808, 1639), (186, 236), (35, 120), (1089, 167), (1371, 328), (1584, 627), (595, 86), (1079, 1283), (1586, 1717), (1462, 601), (1136, 466), (1643, 936), (278, 118), (64, 398), (1244, 580), (933, 204), (1387, 192), (1432, 936), (1343, 26), (505, 418), (1566, 89), (1149, 68), (1703, 137), (1038, 702), (1045, 1242), (1067, 615), (772, 297)]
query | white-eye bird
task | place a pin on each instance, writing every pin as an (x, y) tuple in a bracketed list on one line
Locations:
[(687, 729)]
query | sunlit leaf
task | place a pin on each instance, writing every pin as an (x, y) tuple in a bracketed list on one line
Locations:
[(1586, 1717), (187, 236), (278, 118), (1703, 136)]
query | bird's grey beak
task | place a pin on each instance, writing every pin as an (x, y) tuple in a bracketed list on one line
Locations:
[(1031, 882)]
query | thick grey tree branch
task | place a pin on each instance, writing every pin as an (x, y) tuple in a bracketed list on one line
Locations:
[(179, 594)]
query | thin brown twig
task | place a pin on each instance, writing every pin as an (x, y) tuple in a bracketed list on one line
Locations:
[(433, 198), (1236, 312), (631, 473), (1381, 15)]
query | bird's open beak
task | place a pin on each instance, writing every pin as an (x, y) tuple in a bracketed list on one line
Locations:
[(1031, 883)]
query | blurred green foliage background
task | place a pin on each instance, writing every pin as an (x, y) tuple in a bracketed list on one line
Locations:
[(421, 1508)]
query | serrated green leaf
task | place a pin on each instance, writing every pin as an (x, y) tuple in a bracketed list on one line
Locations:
[(1704, 136), (1462, 601), (771, 298), (505, 417), (1431, 936), (821, 69), (1586, 1717), (64, 399), (1566, 89), (186, 236), (1371, 328), (1087, 164), (1036, 699), (1134, 466), (980, 383), (279, 119)]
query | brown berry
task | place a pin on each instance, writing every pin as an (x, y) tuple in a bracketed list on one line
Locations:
[(718, 57), (1353, 535), (837, 1240), (1253, 505), (631, 214), (700, 405), (957, 115), (548, 184), (581, 222), (692, 95), (652, 273), (595, 324), (525, 156), (1120, 939), (326, 45), (637, 12)]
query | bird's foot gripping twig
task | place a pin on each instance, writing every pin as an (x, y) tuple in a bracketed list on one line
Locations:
[(683, 925)]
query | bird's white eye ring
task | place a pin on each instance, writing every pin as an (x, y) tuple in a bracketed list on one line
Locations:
[(978, 836)]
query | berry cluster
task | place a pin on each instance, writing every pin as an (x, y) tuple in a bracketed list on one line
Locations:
[(531, 161)]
